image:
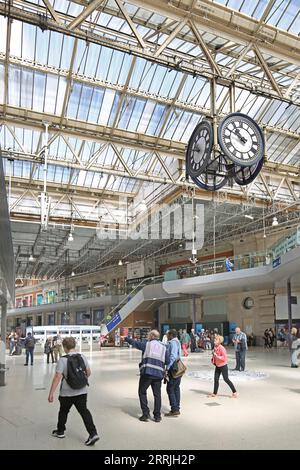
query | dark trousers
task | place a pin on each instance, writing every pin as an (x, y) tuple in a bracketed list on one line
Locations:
[(29, 352), (144, 384), (224, 371), (48, 357), (173, 391), (80, 404), (240, 357)]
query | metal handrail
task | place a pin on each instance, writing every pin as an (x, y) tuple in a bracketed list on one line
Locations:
[(133, 292)]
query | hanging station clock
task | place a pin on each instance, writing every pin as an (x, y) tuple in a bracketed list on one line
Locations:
[(241, 157), (199, 148), (241, 139)]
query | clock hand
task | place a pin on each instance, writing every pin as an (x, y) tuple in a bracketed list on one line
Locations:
[(243, 139)]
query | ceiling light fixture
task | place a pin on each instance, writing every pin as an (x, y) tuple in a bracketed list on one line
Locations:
[(31, 258), (70, 237), (120, 263), (72, 273), (249, 216), (142, 206), (275, 222)]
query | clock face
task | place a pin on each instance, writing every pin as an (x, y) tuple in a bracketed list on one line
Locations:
[(248, 303), (214, 176), (241, 139), (199, 148), (244, 175)]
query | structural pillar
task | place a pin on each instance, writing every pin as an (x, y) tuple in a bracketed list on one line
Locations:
[(3, 343), (194, 311), (289, 299)]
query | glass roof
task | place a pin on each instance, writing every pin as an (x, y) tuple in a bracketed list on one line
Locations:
[(284, 14), (61, 77)]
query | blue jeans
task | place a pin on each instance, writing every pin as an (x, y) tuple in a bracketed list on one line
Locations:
[(173, 391), (29, 352)]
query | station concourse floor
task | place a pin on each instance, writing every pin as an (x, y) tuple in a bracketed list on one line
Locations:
[(264, 416)]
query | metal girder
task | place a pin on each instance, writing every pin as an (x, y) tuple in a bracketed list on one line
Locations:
[(59, 188), (51, 10), (292, 85), (214, 66), (166, 101), (267, 71), (84, 14), (170, 38), (130, 23), (238, 61), (170, 60), (7, 54)]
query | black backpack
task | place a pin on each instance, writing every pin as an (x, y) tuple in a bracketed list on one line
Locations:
[(76, 376)]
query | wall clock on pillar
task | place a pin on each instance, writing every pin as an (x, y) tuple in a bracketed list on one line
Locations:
[(199, 148), (248, 303), (241, 139)]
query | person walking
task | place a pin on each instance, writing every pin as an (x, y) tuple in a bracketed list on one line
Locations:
[(219, 360), (173, 384), (229, 265), (29, 344), (185, 340), (48, 349), (240, 346), (155, 357), (72, 371)]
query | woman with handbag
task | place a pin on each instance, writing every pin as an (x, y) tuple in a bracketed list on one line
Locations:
[(174, 372), (219, 360)]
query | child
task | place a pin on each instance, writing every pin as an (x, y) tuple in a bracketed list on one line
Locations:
[(219, 360)]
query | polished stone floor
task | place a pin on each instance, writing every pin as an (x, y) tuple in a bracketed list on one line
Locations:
[(264, 416)]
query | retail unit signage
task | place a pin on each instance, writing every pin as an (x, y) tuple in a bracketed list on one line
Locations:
[(135, 270), (116, 319), (287, 244), (276, 262)]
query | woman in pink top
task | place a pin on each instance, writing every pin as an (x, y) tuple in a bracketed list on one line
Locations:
[(219, 359)]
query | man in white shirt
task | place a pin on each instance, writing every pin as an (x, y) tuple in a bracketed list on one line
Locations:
[(68, 395)]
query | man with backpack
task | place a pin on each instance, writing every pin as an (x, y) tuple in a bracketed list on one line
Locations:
[(29, 344), (72, 371), (152, 369)]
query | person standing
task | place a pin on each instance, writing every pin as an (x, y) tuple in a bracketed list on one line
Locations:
[(12, 342), (29, 344), (57, 347), (194, 340), (219, 360), (240, 346), (49, 350), (165, 337), (72, 371), (294, 343), (173, 384), (185, 340), (152, 370)]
